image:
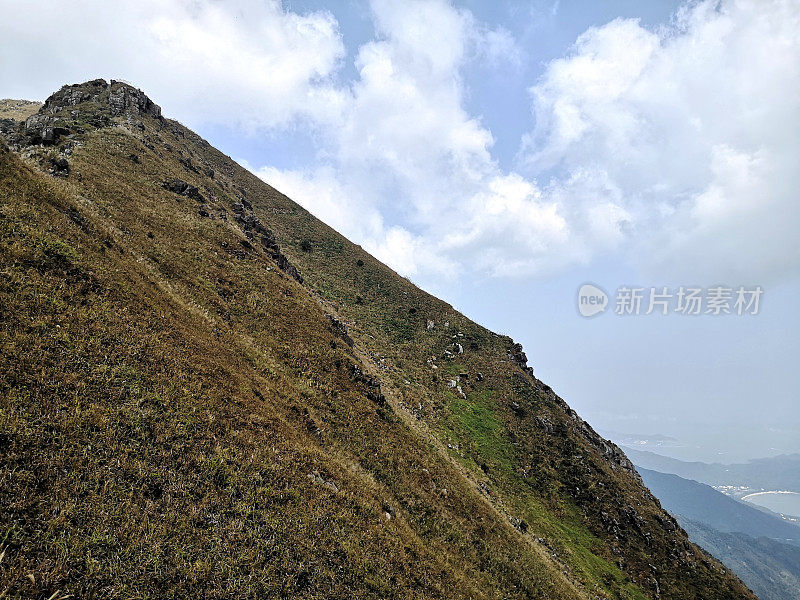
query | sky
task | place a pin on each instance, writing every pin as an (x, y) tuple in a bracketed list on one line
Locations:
[(501, 155)]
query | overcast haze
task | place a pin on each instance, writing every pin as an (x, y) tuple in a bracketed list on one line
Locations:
[(502, 154)]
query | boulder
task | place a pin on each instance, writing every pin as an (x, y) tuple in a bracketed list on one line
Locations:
[(60, 167), (44, 129), (182, 188)]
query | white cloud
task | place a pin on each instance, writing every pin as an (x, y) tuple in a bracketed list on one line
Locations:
[(407, 147), (695, 126), (675, 148), (348, 211), (247, 61)]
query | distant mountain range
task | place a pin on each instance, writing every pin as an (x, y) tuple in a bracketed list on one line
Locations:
[(702, 503), (774, 473), (760, 547), (768, 567)]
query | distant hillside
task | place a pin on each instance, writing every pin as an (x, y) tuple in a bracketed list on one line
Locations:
[(700, 502), (775, 473), (206, 392), (18, 110), (771, 569), (734, 532)]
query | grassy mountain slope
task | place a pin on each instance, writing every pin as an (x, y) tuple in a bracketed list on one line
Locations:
[(205, 390), (18, 110)]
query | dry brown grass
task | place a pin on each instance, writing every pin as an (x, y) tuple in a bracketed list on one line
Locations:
[(166, 392), (18, 110)]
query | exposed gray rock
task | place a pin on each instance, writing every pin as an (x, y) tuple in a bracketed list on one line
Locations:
[(123, 98), (340, 329), (7, 126), (73, 95), (517, 409), (76, 108), (252, 223), (287, 267), (180, 187), (60, 167), (44, 129), (517, 356), (372, 384), (389, 511)]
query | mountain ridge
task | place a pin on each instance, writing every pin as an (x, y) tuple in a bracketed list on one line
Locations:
[(762, 549), (275, 392), (702, 503), (779, 472), (769, 567)]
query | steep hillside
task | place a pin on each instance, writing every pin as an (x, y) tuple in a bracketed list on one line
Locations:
[(205, 391)]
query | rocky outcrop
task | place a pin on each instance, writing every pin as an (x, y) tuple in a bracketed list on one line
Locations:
[(516, 355), (73, 95), (7, 126), (251, 226), (119, 97), (372, 384), (607, 448), (77, 108), (44, 129), (180, 187), (123, 98), (60, 167), (340, 329)]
